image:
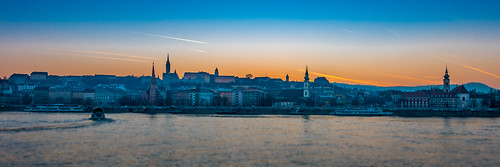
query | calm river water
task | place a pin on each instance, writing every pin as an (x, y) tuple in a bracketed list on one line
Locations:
[(70, 139)]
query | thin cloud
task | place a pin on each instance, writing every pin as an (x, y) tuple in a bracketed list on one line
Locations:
[(202, 51), (375, 83), (410, 78), (112, 54), (169, 37), (467, 66), (113, 58)]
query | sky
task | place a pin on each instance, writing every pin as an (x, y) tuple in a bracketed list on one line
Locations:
[(383, 43)]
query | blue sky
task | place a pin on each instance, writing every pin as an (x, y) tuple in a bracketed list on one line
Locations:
[(382, 43), (364, 10)]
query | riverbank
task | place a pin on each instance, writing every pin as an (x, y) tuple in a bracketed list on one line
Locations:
[(281, 111)]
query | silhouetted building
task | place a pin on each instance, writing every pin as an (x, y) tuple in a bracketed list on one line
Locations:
[(307, 92), (150, 95), (196, 77), (39, 76), (19, 78), (446, 81), (225, 79), (321, 81), (463, 95), (168, 77), (287, 78)]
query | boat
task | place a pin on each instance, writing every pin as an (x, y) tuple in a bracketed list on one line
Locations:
[(98, 114), (54, 108), (360, 112)]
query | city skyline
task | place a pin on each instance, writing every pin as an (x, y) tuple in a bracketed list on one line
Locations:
[(387, 43)]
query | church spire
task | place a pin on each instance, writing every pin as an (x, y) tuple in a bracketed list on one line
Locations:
[(168, 64), (306, 77), (446, 81), (307, 92), (153, 76)]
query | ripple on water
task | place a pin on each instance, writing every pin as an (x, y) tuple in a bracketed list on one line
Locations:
[(53, 139)]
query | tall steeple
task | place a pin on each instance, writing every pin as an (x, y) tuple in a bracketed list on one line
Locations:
[(307, 92), (168, 64), (153, 75), (152, 91), (306, 77), (446, 81), (287, 78), (216, 73)]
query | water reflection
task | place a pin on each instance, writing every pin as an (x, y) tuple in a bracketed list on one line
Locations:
[(214, 140)]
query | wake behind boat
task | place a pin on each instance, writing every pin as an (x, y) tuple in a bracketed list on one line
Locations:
[(360, 112)]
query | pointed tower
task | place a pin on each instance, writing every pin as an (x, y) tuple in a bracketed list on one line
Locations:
[(168, 64), (307, 92), (446, 81), (152, 90), (216, 73), (287, 78)]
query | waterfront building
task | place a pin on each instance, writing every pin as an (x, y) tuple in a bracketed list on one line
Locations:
[(226, 96), (242, 96), (6, 96), (41, 95), (181, 97), (414, 100), (463, 96), (289, 98), (88, 96), (108, 96), (201, 97), (60, 94), (480, 100), (441, 99), (77, 95)]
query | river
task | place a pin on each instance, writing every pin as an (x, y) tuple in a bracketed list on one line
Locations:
[(129, 139)]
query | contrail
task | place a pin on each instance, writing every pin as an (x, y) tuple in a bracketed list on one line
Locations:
[(114, 58), (466, 66), (375, 83), (174, 38), (112, 54), (411, 78), (202, 51)]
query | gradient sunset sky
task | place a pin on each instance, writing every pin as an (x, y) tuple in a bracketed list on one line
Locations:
[(384, 43)]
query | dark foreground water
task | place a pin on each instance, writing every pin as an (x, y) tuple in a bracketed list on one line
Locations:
[(66, 139)]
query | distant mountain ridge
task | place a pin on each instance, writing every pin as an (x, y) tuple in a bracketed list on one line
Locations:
[(479, 87)]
